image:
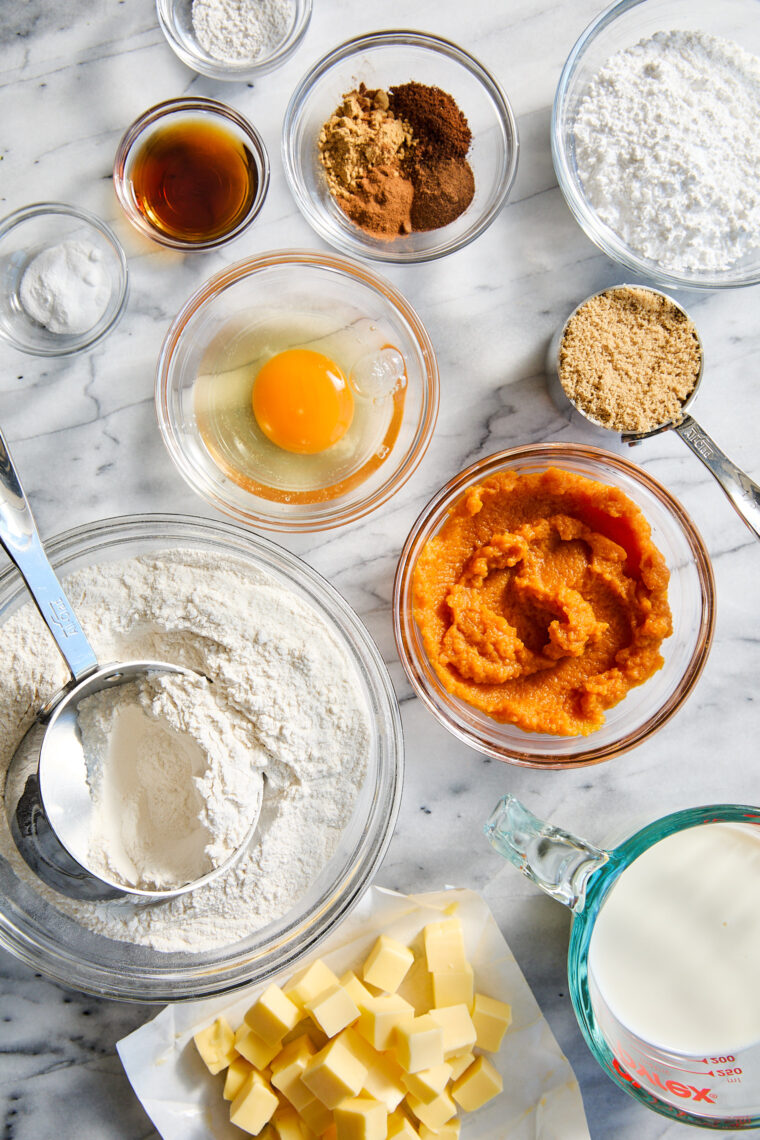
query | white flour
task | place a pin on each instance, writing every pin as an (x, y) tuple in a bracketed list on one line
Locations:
[(668, 149), (287, 705), (237, 30)]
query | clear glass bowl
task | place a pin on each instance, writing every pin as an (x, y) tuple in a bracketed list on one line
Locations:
[(336, 290), (175, 19), (26, 233), (48, 941), (384, 59), (621, 26), (162, 115), (691, 594)]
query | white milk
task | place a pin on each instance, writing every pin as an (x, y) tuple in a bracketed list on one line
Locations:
[(675, 951)]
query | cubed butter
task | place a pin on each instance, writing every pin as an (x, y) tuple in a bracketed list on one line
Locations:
[(272, 1015), (428, 1083), (449, 1131), (333, 1010), (478, 1085), (254, 1048), (301, 1048), (383, 1079), (460, 1064), (287, 1070), (380, 1016), (288, 1125), (435, 1113), (444, 947), (354, 988), (254, 1106), (387, 964), (334, 1073), (491, 1019), (235, 1077), (306, 1026), (458, 1030), (316, 1116), (216, 1045), (419, 1043), (400, 1127), (454, 988), (361, 1118), (309, 983)]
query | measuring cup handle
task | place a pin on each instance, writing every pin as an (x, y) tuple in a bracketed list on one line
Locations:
[(740, 489), (21, 542), (556, 861)]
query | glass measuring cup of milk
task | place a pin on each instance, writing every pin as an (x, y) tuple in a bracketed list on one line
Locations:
[(664, 956)]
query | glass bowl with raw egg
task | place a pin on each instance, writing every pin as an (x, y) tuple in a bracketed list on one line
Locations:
[(548, 614), (297, 391)]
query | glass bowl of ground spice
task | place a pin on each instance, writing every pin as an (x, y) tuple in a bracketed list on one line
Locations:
[(233, 41), (655, 143), (553, 606), (399, 146)]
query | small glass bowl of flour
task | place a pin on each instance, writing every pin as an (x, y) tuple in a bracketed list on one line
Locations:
[(63, 279), (655, 141), (233, 39)]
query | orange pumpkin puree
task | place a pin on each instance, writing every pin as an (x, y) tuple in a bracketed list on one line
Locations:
[(542, 600)]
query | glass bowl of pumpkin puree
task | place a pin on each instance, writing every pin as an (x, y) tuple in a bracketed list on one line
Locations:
[(554, 605)]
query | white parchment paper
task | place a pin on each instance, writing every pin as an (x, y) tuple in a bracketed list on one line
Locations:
[(541, 1099)]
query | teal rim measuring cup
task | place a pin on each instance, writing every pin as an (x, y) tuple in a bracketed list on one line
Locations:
[(718, 1089)]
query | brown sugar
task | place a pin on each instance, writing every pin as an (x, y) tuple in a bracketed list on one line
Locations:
[(629, 358)]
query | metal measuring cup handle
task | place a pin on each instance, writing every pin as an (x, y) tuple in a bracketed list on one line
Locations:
[(743, 492)]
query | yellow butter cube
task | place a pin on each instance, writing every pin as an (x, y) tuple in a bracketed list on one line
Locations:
[(288, 1125), (478, 1085), (235, 1077), (460, 1064), (361, 1118), (449, 1131), (492, 1019), (272, 1015), (354, 988), (254, 1048), (216, 1045), (387, 964), (254, 1105), (288, 1068), (454, 988), (444, 947), (419, 1044), (333, 1010), (316, 1116), (400, 1127), (458, 1030), (298, 1051), (308, 1027), (434, 1113), (383, 1079), (380, 1016), (309, 983), (427, 1083), (334, 1073)]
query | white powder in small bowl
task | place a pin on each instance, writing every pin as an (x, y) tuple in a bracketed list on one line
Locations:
[(234, 31), (287, 704), (66, 288)]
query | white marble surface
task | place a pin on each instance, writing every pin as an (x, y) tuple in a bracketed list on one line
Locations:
[(83, 433)]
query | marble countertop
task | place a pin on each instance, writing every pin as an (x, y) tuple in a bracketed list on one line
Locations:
[(84, 436)]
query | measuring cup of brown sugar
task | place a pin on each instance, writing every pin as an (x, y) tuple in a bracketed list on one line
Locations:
[(629, 359), (191, 174)]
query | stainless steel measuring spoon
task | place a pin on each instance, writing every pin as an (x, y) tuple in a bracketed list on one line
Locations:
[(742, 492), (48, 801)]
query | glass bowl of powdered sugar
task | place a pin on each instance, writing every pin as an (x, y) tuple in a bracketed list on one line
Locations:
[(63, 279), (233, 39), (300, 698), (655, 140)]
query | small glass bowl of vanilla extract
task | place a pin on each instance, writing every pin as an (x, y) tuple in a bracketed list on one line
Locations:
[(191, 174)]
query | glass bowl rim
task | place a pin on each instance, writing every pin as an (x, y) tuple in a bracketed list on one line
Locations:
[(228, 70), (603, 237), (428, 42), (189, 104), (96, 333), (429, 521), (321, 259), (191, 980)]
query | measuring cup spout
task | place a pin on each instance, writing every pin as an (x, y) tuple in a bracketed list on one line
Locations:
[(556, 861)]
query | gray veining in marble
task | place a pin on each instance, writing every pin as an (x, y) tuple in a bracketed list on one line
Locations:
[(84, 436)]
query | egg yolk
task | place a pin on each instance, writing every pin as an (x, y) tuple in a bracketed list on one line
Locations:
[(302, 401)]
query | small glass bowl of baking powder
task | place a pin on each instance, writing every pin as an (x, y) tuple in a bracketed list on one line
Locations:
[(235, 41), (63, 279), (667, 189), (382, 60)]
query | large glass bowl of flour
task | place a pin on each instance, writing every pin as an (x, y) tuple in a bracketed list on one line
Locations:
[(319, 842), (671, 161)]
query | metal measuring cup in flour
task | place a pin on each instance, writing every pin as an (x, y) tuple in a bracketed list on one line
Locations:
[(742, 492)]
